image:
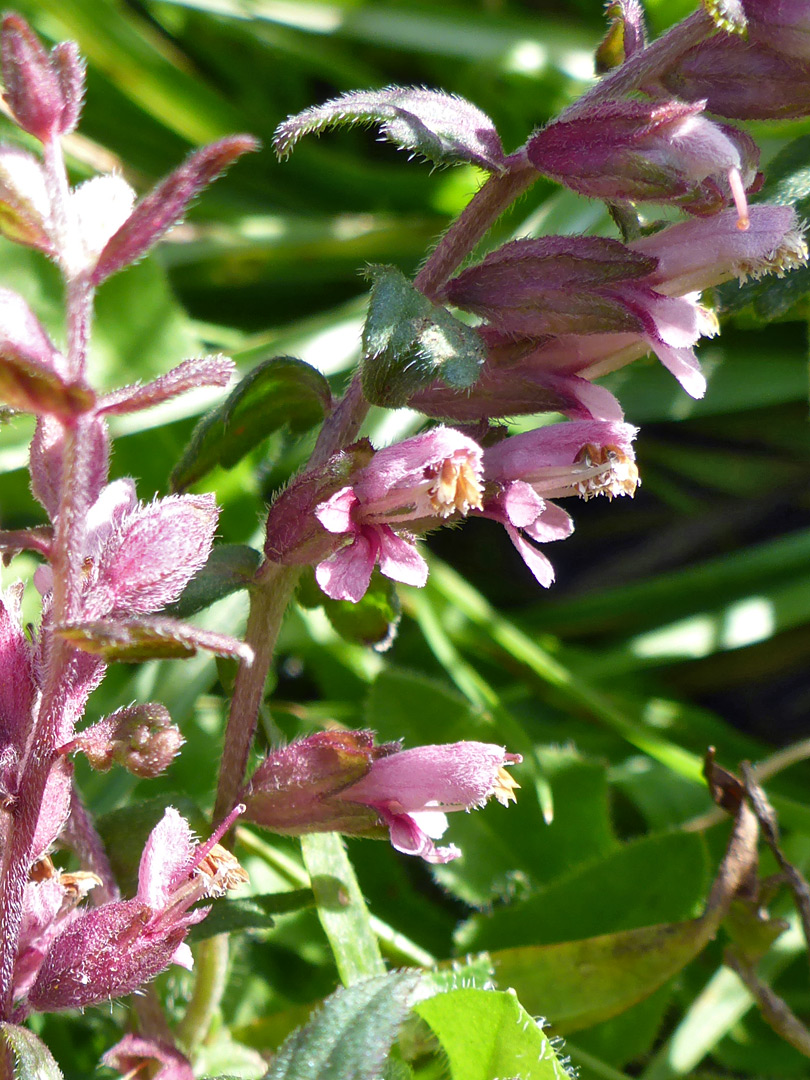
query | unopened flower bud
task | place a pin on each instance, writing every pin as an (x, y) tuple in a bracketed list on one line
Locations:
[(43, 92), (142, 738), (636, 151)]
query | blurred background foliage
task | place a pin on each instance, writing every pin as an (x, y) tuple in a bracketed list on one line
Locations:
[(679, 620)]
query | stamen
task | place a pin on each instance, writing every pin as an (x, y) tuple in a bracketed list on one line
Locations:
[(213, 840), (617, 472), (222, 870), (740, 201), (457, 488), (505, 786)]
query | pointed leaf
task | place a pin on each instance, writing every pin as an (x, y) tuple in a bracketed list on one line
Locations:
[(351, 1035), (165, 204), (213, 370), (439, 127), (487, 1035), (131, 641), (32, 1058), (408, 342), (279, 392), (577, 984)]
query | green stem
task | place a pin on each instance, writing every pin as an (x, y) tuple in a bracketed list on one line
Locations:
[(211, 971), (398, 948), (341, 908)]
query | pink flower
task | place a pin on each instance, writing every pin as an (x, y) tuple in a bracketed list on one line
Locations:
[(113, 949), (340, 781), (417, 483), (140, 556), (585, 458), (413, 791)]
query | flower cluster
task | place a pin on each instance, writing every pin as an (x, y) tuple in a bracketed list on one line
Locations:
[(556, 312)]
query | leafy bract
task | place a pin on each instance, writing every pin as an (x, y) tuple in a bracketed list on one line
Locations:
[(133, 640), (487, 1035), (279, 392), (442, 128), (230, 567), (32, 1058), (408, 342)]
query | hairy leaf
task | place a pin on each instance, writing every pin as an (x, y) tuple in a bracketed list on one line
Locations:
[(440, 127)]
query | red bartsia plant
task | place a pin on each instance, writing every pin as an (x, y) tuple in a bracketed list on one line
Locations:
[(541, 319)]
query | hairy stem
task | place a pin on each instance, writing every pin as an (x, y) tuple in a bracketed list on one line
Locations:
[(60, 658), (269, 597), (270, 594), (483, 210)]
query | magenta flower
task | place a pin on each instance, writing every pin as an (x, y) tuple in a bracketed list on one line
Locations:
[(413, 791), (49, 905), (660, 306), (744, 80), (584, 458), (583, 287), (416, 483), (339, 781), (628, 151), (111, 950)]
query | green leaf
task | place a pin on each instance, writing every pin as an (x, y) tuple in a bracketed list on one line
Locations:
[(250, 913), (281, 392), (629, 896), (408, 342), (373, 620), (578, 983), (230, 567), (32, 1058), (351, 1036), (487, 1035), (341, 907)]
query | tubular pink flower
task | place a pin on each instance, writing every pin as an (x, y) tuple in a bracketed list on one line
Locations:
[(585, 458), (340, 781), (413, 791), (419, 481)]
